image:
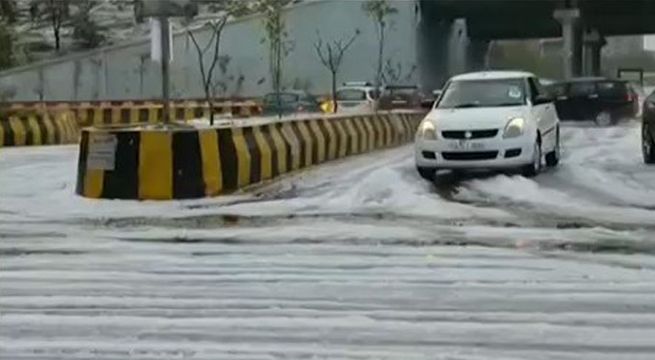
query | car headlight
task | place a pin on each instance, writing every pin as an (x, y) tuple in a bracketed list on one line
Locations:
[(514, 128), (427, 130)]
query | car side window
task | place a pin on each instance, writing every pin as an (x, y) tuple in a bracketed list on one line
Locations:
[(582, 88), (557, 90), (535, 89)]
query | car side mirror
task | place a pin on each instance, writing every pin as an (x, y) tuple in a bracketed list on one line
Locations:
[(542, 99)]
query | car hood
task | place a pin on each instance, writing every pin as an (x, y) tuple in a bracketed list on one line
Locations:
[(475, 118)]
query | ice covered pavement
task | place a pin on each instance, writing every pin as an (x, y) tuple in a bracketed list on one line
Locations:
[(359, 259)]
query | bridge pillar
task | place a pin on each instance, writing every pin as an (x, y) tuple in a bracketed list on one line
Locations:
[(593, 44), (476, 54), (571, 44), (434, 52)]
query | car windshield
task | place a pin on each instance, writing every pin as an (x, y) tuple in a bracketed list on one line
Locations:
[(284, 98), (483, 93), (351, 95)]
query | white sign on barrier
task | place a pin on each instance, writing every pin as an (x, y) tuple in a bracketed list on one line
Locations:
[(102, 152), (155, 40)]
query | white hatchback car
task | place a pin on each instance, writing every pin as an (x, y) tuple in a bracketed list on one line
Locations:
[(357, 97), (489, 120)]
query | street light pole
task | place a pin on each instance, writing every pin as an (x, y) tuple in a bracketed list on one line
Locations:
[(165, 57)]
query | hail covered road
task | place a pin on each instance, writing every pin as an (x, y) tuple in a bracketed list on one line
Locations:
[(358, 259)]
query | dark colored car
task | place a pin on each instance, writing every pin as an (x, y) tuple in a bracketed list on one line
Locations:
[(602, 100), (648, 129), (290, 102), (400, 97)]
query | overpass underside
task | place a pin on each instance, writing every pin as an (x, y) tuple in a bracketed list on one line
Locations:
[(472, 24)]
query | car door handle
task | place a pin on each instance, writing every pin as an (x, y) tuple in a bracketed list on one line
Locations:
[(593, 96), (562, 98)]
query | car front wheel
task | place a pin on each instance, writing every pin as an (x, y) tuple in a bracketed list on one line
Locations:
[(647, 145), (552, 158), (427, 173), (533, 169)]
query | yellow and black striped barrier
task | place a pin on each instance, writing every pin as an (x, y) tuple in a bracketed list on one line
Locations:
[(151, 113), (38, 129), (184, 162), (133, 112)]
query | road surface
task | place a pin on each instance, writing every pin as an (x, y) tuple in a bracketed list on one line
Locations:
[(357, 259)]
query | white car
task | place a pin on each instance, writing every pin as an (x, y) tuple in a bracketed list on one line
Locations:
[(356, 97), (489, 120)]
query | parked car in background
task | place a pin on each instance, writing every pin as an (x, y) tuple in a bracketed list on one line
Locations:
[(357, 97), (602, 100), (290, 102), (648, 129), (400, 97)]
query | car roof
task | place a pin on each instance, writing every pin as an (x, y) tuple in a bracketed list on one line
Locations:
[(400, 87), (591, 79), (587, 78), (356, 87), (491, 75)]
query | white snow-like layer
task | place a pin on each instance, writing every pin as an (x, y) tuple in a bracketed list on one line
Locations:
[(213, 300), (38, 184), (345, 261), (602, 179)]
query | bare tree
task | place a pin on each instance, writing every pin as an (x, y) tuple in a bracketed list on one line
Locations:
[(278, 44), (331, 55), (221, 85), (8, 11), (207, 70), (86, 32), (379, 11), (7, 45), (55, 12), (393, 72)]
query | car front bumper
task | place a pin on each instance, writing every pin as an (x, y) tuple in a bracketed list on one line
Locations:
[(493, 153)]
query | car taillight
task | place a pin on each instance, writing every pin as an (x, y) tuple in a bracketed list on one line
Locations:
[(629, 97)]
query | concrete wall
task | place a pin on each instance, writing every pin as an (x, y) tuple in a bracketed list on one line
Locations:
[(125, 71)]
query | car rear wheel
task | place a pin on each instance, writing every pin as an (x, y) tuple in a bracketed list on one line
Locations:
[(552, 158), (533, 169), (647, 145), (603, 118), (427, 173)]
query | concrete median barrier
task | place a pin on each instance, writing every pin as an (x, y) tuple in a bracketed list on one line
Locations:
[(180, 162), (38, 129), (132, 112)]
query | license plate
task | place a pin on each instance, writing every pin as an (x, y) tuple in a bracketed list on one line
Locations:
[(466, 145)]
